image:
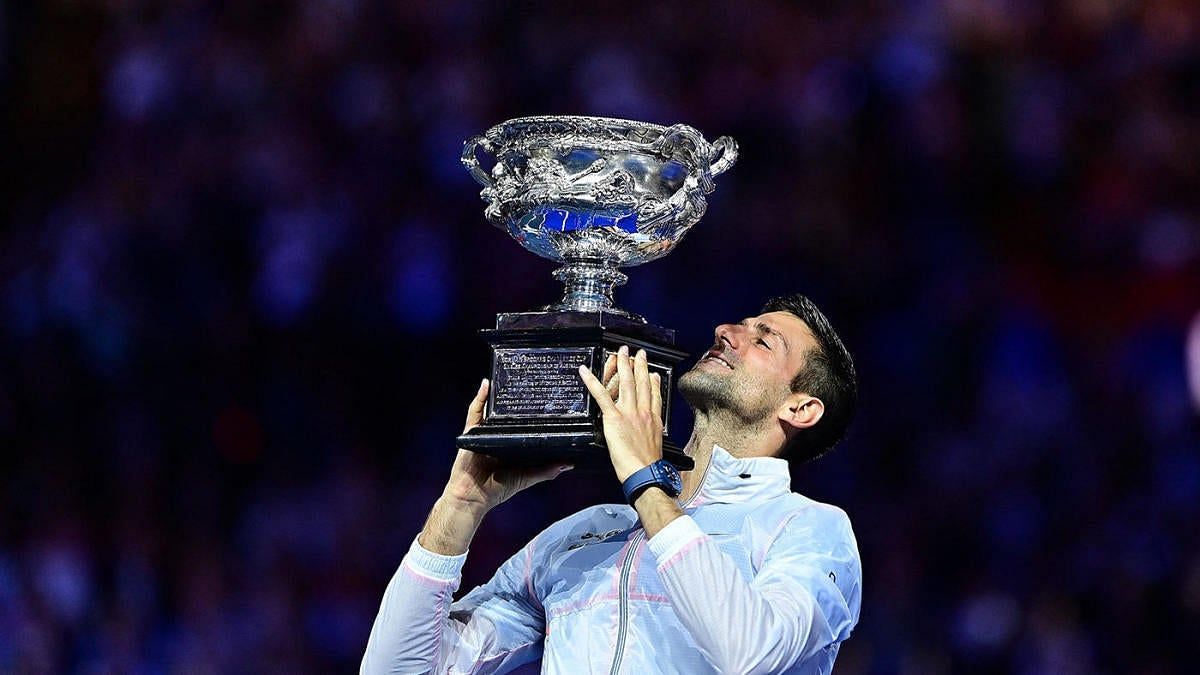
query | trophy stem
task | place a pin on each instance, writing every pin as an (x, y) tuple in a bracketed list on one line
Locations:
[(589, 287)]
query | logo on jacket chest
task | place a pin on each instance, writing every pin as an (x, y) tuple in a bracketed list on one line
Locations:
[(592, 538)]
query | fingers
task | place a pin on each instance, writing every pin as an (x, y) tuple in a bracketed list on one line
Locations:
[(545, 474), (597, 390), (656, 395), (610, 369), (627, 390), (641, 377), (626, 382), (475, 409)]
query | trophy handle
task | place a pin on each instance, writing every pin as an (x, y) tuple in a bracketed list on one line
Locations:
[(724, 154), (720, 155), (471, 161)]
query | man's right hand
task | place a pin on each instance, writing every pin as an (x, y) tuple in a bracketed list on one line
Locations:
[(478, 483), (484, 482)]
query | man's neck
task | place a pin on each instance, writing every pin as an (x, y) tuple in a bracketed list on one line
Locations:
[(736, 439)]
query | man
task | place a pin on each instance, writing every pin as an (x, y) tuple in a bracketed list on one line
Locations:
[(726, 571)]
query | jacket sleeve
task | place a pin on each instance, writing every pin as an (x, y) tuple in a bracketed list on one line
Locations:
[(493, 629), (804, 598)]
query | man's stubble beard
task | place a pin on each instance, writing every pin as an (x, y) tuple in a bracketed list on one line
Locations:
[(730, 397)]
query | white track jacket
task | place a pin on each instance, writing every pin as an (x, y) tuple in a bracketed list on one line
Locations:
[(752, 579)]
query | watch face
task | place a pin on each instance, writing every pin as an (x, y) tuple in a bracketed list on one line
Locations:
[(672, 476)]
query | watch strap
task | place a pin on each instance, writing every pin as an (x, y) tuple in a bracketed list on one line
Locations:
[(648, 476)]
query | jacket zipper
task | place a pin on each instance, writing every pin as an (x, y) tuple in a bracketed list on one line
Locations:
[(626, 567), (623, 619)]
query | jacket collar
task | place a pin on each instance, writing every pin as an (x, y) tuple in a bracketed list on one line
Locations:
[(730, 479)]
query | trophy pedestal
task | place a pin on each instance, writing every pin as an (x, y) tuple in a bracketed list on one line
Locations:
[(538, 409)]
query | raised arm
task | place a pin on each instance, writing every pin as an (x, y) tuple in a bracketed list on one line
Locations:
[(416, 629)]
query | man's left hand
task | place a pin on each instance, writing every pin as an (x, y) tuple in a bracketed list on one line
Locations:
[(633, 427)]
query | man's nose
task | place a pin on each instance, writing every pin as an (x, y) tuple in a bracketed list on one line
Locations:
[(729, 334)]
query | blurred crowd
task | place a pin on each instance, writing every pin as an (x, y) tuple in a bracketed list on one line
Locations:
[(241, 271)]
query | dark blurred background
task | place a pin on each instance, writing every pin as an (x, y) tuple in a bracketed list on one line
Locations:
[(241, 271)]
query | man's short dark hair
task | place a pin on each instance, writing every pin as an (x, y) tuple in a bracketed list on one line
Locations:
[(828, 374)]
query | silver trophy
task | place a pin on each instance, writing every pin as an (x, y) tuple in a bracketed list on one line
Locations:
[(595, 194)]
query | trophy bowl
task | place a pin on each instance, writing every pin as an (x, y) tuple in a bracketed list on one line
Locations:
[(596, 193)]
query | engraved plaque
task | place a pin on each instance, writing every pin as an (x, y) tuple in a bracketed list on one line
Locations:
[(539, 382)]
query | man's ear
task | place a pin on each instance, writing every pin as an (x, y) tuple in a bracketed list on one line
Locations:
[(801, 411)]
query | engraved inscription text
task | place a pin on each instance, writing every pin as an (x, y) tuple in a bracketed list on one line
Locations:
[(539, 381)]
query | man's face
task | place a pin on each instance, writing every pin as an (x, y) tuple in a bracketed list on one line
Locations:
[(750, 367)]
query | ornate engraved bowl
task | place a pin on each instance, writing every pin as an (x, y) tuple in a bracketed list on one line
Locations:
[(596, 193)]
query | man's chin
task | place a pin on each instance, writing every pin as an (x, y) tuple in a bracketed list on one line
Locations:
[(703, 389)]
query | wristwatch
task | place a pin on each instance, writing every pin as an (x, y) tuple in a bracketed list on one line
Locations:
[(661, 474)]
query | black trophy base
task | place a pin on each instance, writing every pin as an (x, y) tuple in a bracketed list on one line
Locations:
[(538, 409), (536, 446)]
